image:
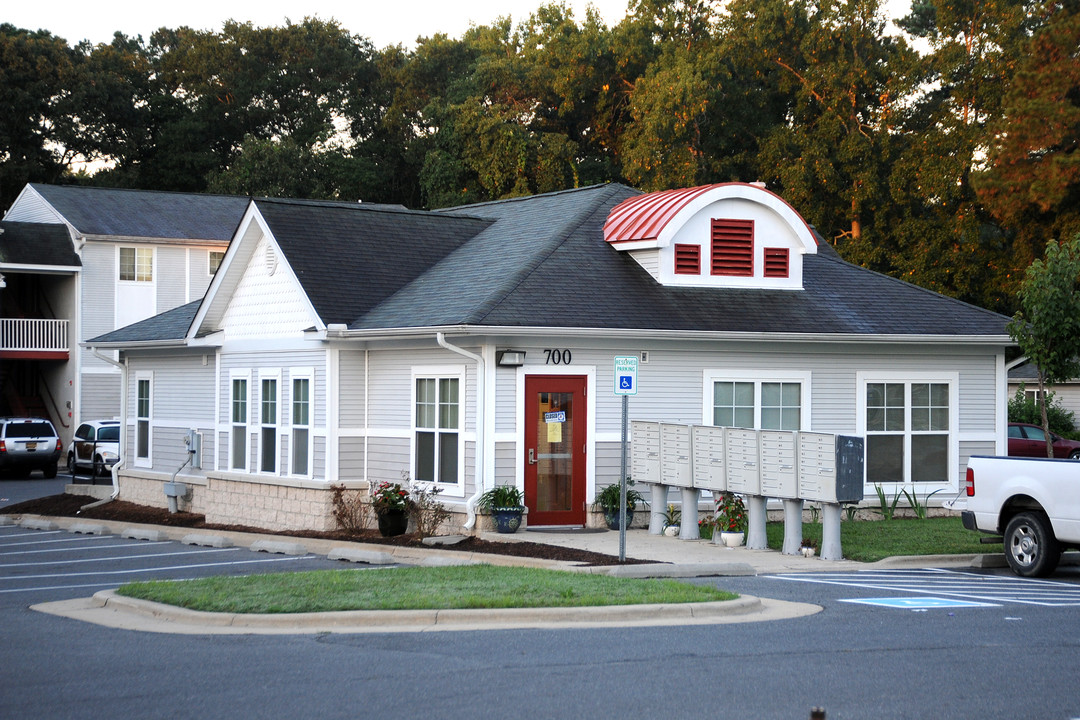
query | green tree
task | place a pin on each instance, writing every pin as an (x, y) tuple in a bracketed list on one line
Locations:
[(37, 73), (1047, 326), (1032, 185)]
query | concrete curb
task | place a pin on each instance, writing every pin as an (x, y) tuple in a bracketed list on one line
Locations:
[(113, 610)]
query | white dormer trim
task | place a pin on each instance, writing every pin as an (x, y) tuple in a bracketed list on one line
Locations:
[(776, 226), (252, 233)]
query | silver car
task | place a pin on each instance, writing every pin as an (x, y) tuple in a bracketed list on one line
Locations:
[(28, 444), (95, 447)]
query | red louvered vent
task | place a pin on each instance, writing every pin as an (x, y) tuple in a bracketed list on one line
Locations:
[(733, 247), (776, 262), (687, 259)]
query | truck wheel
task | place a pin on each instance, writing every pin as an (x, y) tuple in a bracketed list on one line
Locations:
[(71, 464), (1030, 545), (99, 467), (49, 471)]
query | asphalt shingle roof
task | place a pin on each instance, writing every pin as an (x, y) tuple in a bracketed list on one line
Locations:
[(350, 257), (36, 244), (169, 325), (146, 213), (542, 261)]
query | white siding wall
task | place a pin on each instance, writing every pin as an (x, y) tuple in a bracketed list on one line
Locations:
[(31, 207), (172, 276), (267, 303)]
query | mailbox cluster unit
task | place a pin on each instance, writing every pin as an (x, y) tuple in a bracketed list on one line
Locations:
[(819, 467)]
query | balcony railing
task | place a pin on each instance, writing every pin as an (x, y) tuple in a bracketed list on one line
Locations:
[(23, 335)]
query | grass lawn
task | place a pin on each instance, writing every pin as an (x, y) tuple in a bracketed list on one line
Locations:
[(868, 541), (415, 588)]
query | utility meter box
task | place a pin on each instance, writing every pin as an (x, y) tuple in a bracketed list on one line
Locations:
[(830, 467), (777, 454), (708, 465), (675, 455), (645, 451), (741, 449)]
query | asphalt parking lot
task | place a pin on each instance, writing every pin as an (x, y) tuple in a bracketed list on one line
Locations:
[(45, 565)]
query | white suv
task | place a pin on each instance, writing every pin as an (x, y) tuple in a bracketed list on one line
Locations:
[(28, 444), (95, 447)]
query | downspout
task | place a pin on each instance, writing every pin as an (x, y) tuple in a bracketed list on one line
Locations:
[(123, 431), (470, 504)]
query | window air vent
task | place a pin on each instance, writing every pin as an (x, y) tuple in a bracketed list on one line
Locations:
[(733, 247), (776, 262), (687, 259)]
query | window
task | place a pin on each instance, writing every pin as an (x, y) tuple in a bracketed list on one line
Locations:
[(908, 428), (215, 260), (143, 390), (687, 259), (775, 403), (733, 247), (238, 417), (137, 264), (268, 425), (301, 426), (437, 430)]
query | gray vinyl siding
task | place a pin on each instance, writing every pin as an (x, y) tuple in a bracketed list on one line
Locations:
[(98, 301), (281, 363), (351, 458), (351, 389), (391, 392), (388, 458), (100, 395), (182, 399), (505, 399), (505, 463)]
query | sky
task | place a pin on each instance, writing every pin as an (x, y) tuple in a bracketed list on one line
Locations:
[(384, 22)]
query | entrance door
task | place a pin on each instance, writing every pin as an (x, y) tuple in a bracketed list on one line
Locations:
[(555, 432)]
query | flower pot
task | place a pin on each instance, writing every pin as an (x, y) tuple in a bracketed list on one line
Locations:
[(612, 518), (507, 519), (732, 539), (672, 531), (393, 522)]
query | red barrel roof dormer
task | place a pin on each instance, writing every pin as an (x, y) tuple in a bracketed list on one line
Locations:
[(645, 216)]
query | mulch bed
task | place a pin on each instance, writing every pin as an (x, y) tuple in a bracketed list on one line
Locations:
[(122, 511)]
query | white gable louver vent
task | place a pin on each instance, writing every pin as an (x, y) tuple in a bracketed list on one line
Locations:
[(271, 260)]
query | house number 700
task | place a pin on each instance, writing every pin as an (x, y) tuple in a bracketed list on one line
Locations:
[(557, 357)]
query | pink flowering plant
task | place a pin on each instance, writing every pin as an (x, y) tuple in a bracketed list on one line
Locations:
[(389, 497)]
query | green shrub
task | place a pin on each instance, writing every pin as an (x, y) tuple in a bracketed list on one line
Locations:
[(1024, 409)]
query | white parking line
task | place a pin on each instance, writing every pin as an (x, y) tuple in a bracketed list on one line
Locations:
[(119, 557), (138, 543), (992, 588), (77, 538), (34, 533), (127, 572)]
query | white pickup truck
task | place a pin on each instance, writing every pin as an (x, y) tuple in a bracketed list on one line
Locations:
[(1034, 503)]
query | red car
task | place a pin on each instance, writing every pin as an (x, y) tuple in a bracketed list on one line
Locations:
[(1029, 441)]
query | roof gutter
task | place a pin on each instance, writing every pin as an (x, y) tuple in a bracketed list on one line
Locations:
[(470, 504), (401, 333), (115, 471)]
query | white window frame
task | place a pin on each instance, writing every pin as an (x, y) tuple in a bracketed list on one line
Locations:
[(437, 373), (211, 270), (712, 376), (952, 379), (137, 249), (242, 427), (274, 426), (308, 375), (148, 460)]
